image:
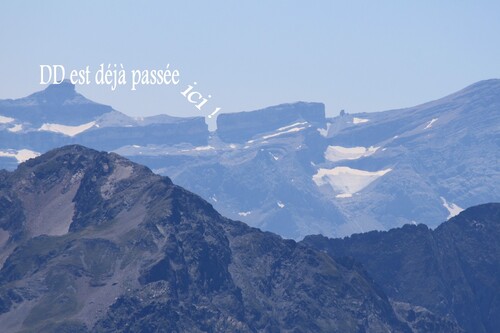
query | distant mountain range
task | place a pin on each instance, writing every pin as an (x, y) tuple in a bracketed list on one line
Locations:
[(59, 115), (288, 168)]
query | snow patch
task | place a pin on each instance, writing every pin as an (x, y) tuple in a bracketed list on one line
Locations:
[(282, 131), (244, 213), (453, 209), (66, 129), (290, 126), (338, 153), (203, 148), (274, 156), (292, 130), (6, 120), (345, 180), (16, 128), (359, 120), (344, 195), (429, 125), (324, 132), (20, 155)]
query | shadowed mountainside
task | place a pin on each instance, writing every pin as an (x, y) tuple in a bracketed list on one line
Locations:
[(454, 270), (93, 242)]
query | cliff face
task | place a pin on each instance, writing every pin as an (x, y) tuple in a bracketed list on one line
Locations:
[(242, 126), (93, 242), (453, 271)]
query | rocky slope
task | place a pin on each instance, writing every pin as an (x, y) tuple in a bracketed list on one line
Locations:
[(453, 271), (91, 242)]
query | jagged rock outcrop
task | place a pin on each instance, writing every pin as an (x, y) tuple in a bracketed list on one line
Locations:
[(453, 271)]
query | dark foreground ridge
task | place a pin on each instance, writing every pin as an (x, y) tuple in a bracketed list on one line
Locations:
[(91, 242), (454, 270)]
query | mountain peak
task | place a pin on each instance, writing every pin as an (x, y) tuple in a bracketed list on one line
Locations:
[(59, 94), (57, 103), (64, 87), (482, 91), (77, 158), (484, 84)]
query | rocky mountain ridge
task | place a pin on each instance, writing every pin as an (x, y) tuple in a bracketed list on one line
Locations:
[(93, 242), (453, 271)]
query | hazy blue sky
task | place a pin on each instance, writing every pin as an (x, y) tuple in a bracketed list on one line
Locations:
[(353, 55)]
